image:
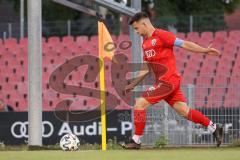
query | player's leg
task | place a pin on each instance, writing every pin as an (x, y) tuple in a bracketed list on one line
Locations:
[(193, 115), (153, 95), (178, 102), (197, 117), (139, 123), (140, 115)]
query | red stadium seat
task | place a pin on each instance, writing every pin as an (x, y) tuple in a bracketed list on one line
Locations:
[(10, 43), (221, 80), (232, 98), (21, 104), (206, 38), (188, 79), (77, 105), (227, 59), (234, 34), (199, 104), (230, 48), (221, 34), (215, 98), (196, 56), (114, 38), (235, 79), (226, 70), (207, 70), (54, 42), (68, 39), (50, 94), (191, 70), (210, 62), (207, 35), (22, 87), (180, 35), (181, 54), (82, 41), (123, 37), (7, 88), (204, 80), (193, 36), (229, 103), (200, 93), (94, 41), (217, 93), (180, 67), (220, 39), (23, 42), (84, 103), (214, 103)]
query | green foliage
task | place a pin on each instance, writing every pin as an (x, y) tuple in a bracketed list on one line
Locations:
[(113, 145), (194, 7), (51, 11), (208, 15), (88, 146), (236, 143), (161, 142), (54, 12)]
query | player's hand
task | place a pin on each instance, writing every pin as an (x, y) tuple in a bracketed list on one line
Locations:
[(212, 51), (128, 88)]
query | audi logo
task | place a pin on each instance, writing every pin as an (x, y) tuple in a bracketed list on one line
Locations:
[(150, 53), (20, 129)]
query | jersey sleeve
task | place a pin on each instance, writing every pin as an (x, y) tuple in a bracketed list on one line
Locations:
[(168, 38)]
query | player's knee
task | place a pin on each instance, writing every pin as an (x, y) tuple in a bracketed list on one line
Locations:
[(184, 113), (139, 106), (182, 109)]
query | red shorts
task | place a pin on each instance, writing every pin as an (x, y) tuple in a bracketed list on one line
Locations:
[(165, 90)]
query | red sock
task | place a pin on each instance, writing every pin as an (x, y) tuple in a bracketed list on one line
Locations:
[(197, 117), (139, 121)]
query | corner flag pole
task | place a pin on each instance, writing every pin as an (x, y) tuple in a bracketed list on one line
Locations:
[(102, 85)]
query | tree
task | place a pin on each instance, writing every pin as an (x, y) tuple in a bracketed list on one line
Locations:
[(205, 12), (51, 11), (192, 7)]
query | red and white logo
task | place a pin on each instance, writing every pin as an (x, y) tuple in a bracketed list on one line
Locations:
[(150, 53), (154, 41)]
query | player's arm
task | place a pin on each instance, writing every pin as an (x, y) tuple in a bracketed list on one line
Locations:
[(193, 47), (141, 75)]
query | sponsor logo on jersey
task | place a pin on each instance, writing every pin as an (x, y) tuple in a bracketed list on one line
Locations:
[(150, 53), (154, 41)]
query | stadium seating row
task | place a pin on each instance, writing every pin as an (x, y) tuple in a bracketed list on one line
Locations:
[(216, 79)]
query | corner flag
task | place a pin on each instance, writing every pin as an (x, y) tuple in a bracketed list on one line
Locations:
[(103, 39)]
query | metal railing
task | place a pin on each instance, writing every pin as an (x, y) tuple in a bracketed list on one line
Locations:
[(88, 26), (164, 125)]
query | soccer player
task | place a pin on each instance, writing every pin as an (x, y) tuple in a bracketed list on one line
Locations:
[(159, 58)]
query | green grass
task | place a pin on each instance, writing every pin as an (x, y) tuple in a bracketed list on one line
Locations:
[(164, 154)]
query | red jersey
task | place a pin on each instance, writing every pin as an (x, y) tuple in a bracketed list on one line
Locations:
[(158, 52)]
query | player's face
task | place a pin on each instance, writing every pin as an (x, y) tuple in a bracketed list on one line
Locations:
[(140, 28)]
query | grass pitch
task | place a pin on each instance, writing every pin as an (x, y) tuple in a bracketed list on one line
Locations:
[(164, 154)]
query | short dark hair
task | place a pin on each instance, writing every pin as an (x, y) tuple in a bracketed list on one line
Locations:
[(137, 17)]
